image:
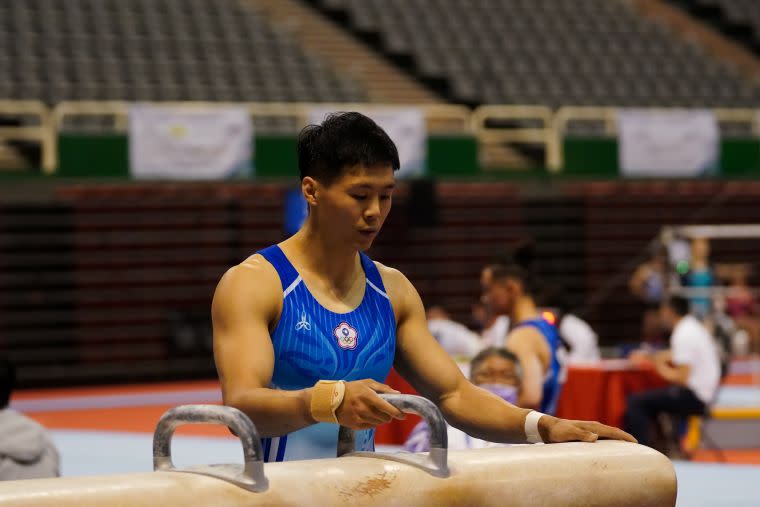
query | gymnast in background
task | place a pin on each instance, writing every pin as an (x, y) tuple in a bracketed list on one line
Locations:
[(534, 340)]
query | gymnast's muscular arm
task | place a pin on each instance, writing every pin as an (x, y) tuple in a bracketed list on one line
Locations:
[(436, 376), (247, 303)]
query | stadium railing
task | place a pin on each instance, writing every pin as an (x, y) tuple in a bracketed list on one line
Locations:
[(43, 132), (489, 124)]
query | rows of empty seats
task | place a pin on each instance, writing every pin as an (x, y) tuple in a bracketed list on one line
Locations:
[(156, 50), (594, 52)]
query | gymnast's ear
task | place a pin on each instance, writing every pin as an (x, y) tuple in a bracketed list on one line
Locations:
[(309, 187)]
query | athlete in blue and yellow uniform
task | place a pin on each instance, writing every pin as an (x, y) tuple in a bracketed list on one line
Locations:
[(508, 288), (553, 376), (306, 331)]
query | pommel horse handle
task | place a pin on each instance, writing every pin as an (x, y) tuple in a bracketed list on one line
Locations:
[(434, 462), (250, 477)]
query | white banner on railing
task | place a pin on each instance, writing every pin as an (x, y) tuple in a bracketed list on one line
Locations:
[(678, 143), (404, 125), (167, 142)]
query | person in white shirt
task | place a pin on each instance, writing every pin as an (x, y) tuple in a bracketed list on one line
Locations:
[(578, 337), (582, 340), (496, 334), (454, 337), (691, 365)]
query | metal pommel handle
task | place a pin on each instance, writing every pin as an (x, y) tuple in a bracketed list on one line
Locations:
[(434, 462), (251, 477)]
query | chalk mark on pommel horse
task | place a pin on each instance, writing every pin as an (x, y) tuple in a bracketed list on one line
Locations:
[(604, 473)]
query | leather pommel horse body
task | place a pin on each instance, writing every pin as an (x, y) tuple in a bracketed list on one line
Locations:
[(604, 473)]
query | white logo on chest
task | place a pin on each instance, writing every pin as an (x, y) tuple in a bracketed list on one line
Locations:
[(346, 335), (303, 323)]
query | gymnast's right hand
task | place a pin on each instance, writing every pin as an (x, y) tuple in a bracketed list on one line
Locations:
[(553, 430), (362, 408)]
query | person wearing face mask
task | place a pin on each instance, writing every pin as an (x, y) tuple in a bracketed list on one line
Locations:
[(495, 370)]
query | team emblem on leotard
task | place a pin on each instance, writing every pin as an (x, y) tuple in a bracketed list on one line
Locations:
[(347, 336)]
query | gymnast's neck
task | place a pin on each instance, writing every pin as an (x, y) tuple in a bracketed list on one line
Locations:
[(524, 309), (330, 260)]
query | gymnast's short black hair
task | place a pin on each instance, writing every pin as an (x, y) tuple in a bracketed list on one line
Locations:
[(342, 141)]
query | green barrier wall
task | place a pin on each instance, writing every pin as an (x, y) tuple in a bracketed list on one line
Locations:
[(85, 155), (599, 157), (82, 155), (93, 155)]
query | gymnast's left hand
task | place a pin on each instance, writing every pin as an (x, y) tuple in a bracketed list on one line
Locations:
[(554, 430)]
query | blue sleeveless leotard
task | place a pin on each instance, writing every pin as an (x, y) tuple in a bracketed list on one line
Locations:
[(553, 379), (312, 343)]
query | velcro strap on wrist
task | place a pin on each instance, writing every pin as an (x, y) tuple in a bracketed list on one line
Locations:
[(326, 397)]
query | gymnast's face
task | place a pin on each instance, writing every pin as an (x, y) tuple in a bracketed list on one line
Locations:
[(501, 295), (353, 208)]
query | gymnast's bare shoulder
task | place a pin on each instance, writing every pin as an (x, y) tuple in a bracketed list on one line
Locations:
[(250, 288), (397, 286)]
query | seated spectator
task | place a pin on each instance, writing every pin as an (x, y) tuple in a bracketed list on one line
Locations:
[(454, 337), (691, 366), (493, 369), (26, 451), (578, 338)]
